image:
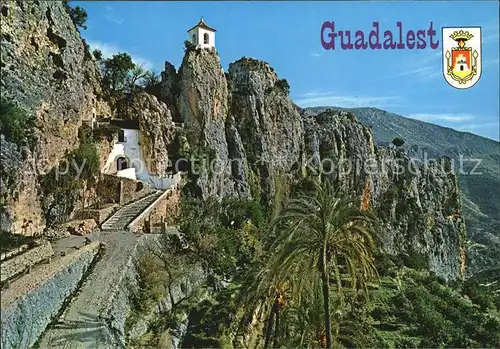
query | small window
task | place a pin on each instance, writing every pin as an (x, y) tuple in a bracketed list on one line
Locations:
[(194, 39), (205, 38), (121, 136)]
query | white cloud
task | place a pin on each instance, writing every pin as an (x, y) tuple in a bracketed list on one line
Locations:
[(442, 117), (113, 19), (485, 129), (315, 54), (110, 17), (312, 99), (109, 50)]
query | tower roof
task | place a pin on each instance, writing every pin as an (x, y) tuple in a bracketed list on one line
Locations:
[(203, 25)]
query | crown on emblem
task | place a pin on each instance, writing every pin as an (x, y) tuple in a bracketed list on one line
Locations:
[(461, 35)]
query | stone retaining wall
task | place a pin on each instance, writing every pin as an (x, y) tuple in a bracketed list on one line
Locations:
[(99, 215), (113, 189), (19, 263), (13, 252), (162, 212), (32, 302), (119, 308)]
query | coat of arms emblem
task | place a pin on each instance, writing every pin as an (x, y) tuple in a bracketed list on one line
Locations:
[(462, 56)]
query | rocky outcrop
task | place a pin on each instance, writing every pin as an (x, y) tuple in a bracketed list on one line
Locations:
[(203, 106), (249, 117), (48, 71), (419, 204), (269, 125), (156, 129), (244, 120), (169, 88)]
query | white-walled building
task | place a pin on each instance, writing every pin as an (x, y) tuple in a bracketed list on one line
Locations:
[(202, 35), (126, 158)]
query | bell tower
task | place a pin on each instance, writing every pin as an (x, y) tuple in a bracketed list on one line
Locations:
[(202, 35)]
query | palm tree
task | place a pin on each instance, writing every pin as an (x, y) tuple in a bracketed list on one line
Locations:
[(323, 234), (265, 291)]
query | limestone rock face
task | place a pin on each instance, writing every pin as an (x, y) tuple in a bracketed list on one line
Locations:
[(203, 106), (419, 204), (48, 71), (169, 89), (270, 127), (245, 119), (156, 129)]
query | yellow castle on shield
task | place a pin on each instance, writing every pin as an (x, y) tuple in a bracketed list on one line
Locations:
[(461, 60)]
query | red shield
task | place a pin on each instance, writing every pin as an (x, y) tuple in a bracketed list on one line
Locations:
[(461, 56)]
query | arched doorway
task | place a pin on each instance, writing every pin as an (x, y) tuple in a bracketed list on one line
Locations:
[(121, 163)]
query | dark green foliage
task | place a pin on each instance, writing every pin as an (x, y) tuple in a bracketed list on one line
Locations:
[(428, 313), (151, 82), (210, 322), (398, 142), (224, 235), (408, 308), (151, 79), (283, 85), (16, 124), (414, 260), (78, 15), (116, 71), (97, 55)]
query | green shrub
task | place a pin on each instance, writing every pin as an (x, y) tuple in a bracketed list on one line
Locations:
[(283, 85), (188, 46), (224, 235), (16, 124), (97, 55), (398, 142), (414, 260), (78, 15)]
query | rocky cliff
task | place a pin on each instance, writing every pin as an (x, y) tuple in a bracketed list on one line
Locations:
[(48, 71), (243, 121), (156, 128), (248, 116), (419, 203), (203, 106), (270, 127)]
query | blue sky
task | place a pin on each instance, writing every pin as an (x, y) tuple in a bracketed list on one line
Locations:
[(287, 36)]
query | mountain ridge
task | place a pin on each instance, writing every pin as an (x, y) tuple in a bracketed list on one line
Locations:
[(324, 107), (421, 137)]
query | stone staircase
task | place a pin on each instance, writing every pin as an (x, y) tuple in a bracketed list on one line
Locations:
[(127, 214)]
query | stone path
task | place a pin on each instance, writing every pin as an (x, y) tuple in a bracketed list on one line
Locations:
[(82, 325), (125, 215)]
